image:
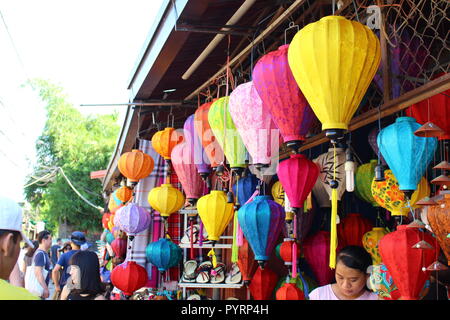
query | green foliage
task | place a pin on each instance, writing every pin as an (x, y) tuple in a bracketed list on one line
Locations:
[(78, 144)]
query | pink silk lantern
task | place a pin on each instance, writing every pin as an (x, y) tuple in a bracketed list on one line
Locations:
[(281, 96), (255, 126), (186, 170), (405, 263), (297, 175), (316, 250)]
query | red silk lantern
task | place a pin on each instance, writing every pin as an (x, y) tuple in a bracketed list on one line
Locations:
[(289, 291), (404, 262), (263, 283), (105, 220), (286, 252), (119, 246), (246, 262), (435, 109), (129, 277), (352, 228), (210, 144), (281, 96), (297, 175), (316, 250)]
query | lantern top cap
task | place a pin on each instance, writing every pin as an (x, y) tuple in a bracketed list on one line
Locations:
[(284, 46), (216, 192), (373, 161), (262, 197), (377, 228), (333, 18), (402, 227), (136, 150), (298, 155), (405, 119)]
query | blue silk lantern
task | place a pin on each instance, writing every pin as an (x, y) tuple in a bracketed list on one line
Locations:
[(406, 154), (116, 200), (261, 221), (164, 254), (109, 237), (245, 187)]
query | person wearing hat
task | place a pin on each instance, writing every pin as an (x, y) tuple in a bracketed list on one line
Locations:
[(10, 236), (77, 242)]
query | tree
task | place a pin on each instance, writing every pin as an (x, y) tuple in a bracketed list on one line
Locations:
[(78, 144)]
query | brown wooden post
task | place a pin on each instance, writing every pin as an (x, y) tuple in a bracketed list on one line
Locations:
[(385, 56)]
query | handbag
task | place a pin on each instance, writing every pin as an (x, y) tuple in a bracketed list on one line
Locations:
[(31, 282)]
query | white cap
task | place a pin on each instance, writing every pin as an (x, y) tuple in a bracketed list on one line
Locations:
[(11, 217)]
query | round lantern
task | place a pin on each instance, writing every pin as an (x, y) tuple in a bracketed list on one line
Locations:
[(255, 126), (112, 205), (372, 139), (278, 193), (163, 141), (261, 221), (439, 220), (135, 165), (406, 154), (352, 228), (286, 253), (370, 242), (132, 219), (129, 277), (388, 195), (301, 281), (245, 187), (363, 182), (184, 164), (226, 133), (289, 291), (334, 86), (105, 219), (164, 254), (406, 263), (119, 247), (212, 148), (246, 262), (263, 283), (123, 194), (166, 199), (109, 237), (283, 100)]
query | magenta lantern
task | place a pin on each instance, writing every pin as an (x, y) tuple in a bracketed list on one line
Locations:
[(282, 98)]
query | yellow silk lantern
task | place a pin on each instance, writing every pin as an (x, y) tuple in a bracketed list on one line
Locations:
[(163, 141), (111, 222), (388, 195), (216, 213), (166, 199), (112, 205), (333, 61), (370, 242), (278, 193)]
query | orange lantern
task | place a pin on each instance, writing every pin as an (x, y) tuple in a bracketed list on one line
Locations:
[(439, 220), (124, 194), (163, 141), (289, 291), (135, 165)]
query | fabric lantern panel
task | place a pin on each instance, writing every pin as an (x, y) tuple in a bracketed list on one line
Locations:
[(164, 254), (119, 247), (132, 219), (135, 165), (372, 139), (165, 140), (262, 284), (439, 219), (363, 182), (370, 242), (246, 262), (129, 277), (198, 154), (244, 188), (166, 199), (289, 291), (352, 228)]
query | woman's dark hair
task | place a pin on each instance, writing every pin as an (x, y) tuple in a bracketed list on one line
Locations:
[(30, 252), (16, 234), (88, 263), (355, 257)]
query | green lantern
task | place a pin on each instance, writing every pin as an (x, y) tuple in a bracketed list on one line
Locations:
[(363, 182)]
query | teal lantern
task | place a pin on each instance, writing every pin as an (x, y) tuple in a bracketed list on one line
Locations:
[(406, 154), (164, 254), (109, 237)]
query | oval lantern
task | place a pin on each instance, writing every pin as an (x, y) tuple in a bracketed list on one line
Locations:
[(286, 249), (255, 126), (246, 262), (388, 195), (297, 175), (109, 237), (281, 96), (135, 165), (372, 139), (316, 250), (226, 134), (363, 182), (119, 247), (301, 281), (111, 222), (116, 200), (212, 148), (371, 240), (166, 199), (406, 154), (123, 194), (261, 221), (164, 254), (278, 193), (263, 283), (289, 291), (105, 219), (439, 220), (132, 219), (186, 170), (163, 141), (129, 277), (326, 167), (198, 154), (245, 187), (406, 263), (112, 205), (352, 228), (333, 84)]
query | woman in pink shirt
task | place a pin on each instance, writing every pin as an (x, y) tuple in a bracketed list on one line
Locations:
[(351, 277)]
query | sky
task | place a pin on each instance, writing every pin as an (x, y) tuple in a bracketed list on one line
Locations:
[(87, 47)]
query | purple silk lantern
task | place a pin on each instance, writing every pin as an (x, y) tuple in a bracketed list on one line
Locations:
[(255, 126), (195, 145), (374, 145), (132, 219), (282, 98)]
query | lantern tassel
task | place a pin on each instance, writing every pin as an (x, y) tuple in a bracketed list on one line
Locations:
[(234, 248), (294, 250), (212, 254), (334, 204)]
